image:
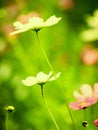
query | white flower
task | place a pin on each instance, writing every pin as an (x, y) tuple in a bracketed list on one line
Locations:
[(41, 78), (35, 24)]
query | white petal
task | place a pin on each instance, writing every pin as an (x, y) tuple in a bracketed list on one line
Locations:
[(55, 77), (78, 96), (41, 77), (29, 81), (50, 74), (18, 25), (52, 20), (23, 28), (86, 90), (36, 22)]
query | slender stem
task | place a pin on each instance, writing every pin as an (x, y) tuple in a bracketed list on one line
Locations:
[(94, 111), (44, 53), (84, 114), (84, 126), (84, 117), (46, 58), (3, 119), (52, 117), (7, 121)]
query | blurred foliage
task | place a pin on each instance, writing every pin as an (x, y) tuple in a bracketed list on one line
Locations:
[(21, 56)]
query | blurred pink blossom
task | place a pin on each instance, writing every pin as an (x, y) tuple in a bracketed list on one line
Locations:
[(86, 98), (90, 55), (23, 18), (95, 122), (82, 104), (66, 4)]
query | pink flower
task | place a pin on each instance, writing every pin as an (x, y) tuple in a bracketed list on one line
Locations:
[(82, 104), (90, 55), (95, 122), (86, 98)]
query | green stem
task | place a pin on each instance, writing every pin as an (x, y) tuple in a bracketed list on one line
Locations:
[(46, 58), (3, 119), (44, 53), (84, 118), (84, 114), (94, 112), (7, 121), (52, 117)]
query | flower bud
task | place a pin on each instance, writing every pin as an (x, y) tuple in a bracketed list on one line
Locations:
[(84, 123), (10, 109)]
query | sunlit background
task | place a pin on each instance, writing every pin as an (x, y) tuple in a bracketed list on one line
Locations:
[(70, 50)]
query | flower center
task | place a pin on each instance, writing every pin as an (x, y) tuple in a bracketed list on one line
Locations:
[(83, 105)]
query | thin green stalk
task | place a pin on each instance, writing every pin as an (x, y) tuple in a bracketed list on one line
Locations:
[(84, 114), (44, 53), (94, 112), (3, 119), (52, 117), (84, 122), (46, 58), (7, 121)]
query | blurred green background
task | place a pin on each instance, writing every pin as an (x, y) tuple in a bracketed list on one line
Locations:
[(21, 56)]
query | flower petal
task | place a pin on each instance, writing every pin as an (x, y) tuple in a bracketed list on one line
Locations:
[(55, 77), (36, 22), (41, 77), (90, 101), (29, 81), (75, 105), (86, 90), (23, 28), (50, 74), (96, 90), (78, 96), (52, 20), (90, 35), (18, 25)]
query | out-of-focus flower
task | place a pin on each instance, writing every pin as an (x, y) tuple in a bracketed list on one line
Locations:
[(95, 122), (12, 10), (93, 20), (92, 33), (87, 92), (86, 98), (35, 24), (89, 35), (6, 29), (82, 104), (23, 18), (66, 4), (89, 55), (41, 78)]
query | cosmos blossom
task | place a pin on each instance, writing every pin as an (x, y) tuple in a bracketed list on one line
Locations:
[(82, 104), (41, 78), (35, 24), (86, 98)]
